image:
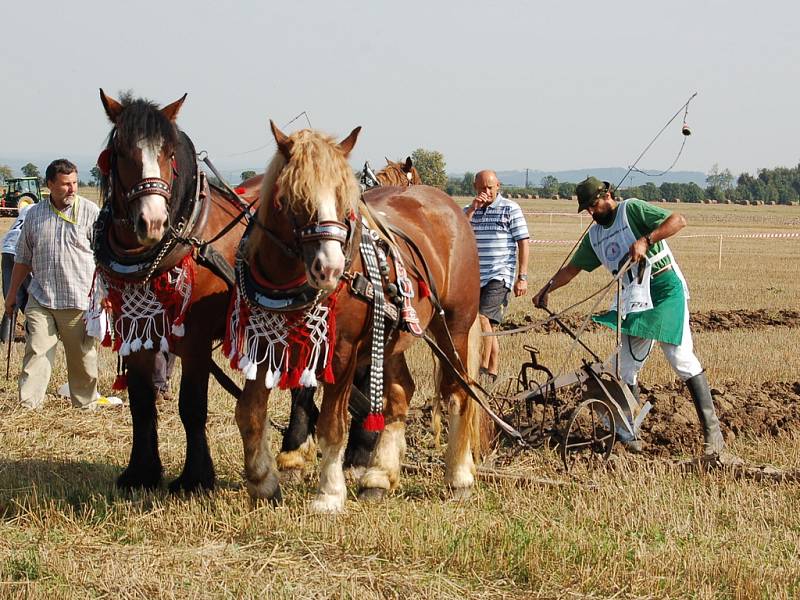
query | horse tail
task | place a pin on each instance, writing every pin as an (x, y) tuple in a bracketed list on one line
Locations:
[(481, 427), (436, 402)]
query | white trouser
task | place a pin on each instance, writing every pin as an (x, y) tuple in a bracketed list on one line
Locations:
[(635, 350)]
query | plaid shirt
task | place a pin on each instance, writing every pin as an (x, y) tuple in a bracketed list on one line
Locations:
[(59, 254)]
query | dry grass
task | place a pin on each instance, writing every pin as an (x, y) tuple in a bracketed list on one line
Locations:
[(641, 530)]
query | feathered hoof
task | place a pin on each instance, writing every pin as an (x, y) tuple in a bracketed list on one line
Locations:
[(191, 485), (460, 493), (138, 478), (371, 495), (325, 504), (267, 489)]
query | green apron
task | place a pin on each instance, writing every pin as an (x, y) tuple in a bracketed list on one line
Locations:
[(663, 322)]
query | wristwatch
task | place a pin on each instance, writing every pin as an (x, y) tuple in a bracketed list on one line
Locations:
[(522, 277)]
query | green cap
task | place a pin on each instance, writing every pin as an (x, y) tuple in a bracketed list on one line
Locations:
[(589, 190)]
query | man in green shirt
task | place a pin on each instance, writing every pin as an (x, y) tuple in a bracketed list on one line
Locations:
[(654, 300)]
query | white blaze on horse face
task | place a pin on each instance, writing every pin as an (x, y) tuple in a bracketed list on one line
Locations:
[(327, 264), (151, 221)]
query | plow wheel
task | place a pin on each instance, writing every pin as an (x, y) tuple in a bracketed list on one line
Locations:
[(589, 435)]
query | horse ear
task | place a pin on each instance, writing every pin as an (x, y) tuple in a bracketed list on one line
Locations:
[(346, 145), (171, 110), (113, 108), (409, 164), (284, 143)]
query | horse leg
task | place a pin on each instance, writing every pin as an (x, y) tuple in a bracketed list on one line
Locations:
[(198, 469), (260, 468), (331, 429), (298, 445), (383, 473), (463, 417), (360, 443), (144, 467)]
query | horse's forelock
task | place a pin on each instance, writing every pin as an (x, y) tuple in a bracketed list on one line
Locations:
[(141, 119), (317, 164)]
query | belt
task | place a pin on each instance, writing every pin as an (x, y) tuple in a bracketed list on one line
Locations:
[(661, 271)]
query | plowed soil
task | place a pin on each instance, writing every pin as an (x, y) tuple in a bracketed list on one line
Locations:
[(721, 320), (767, 410)]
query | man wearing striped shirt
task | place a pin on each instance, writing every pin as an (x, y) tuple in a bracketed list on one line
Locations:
[(55, 246), (502, 236)]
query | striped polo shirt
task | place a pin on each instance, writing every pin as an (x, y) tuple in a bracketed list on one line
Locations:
[(498, 228)]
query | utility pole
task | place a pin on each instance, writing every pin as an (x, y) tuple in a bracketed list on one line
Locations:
[(526, 178)]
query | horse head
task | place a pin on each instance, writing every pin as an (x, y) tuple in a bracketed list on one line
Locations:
[(308, 200), (139, 165), (399, 173)]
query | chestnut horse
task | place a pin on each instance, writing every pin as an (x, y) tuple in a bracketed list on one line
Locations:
[(399, 173), (157, 216), (306, 239), (298, 446)]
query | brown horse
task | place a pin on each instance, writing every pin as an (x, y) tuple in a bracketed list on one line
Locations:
[(399, 173), (166, 286), (303, 250)]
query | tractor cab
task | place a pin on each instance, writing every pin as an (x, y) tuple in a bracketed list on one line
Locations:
[(20, 191)]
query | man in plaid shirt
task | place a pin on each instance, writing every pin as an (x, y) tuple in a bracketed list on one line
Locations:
[(55, 246)]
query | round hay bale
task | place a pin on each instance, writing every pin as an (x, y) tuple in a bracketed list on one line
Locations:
[(726, 201), (554, 197), (771, 203), (574, 198)]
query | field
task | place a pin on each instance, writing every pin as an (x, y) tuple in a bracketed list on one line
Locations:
[(641, 528)]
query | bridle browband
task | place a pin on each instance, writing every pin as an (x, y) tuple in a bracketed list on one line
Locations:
[(318, 231)]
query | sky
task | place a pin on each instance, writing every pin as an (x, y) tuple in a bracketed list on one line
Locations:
[(502, 85)]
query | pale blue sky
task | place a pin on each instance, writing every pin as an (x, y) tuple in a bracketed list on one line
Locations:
[(504, 85)]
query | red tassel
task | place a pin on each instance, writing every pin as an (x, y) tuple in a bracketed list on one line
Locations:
[(374, 422), (120, 383), (424, 290), (107, 340)]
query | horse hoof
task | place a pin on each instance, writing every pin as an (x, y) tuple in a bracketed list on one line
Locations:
[(325, 504), (133, 479), (461, 493), (186, 485), (371, 494), (291, 476)]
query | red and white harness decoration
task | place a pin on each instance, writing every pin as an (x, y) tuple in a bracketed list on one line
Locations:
[(141, 312), (297, 346)]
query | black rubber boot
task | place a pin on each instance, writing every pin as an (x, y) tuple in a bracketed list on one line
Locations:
[(713, 442)]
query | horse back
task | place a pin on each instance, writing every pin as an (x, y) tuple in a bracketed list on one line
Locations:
[(439, 228)]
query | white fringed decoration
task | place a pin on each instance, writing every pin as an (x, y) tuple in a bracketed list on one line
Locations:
[(278, 340), (140, 317)]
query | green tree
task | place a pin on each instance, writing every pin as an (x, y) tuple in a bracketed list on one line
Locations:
[(468, 184), (96, 175), (30, 170), (247, 175), (549, 185), (431, 167), (566, 190), (720, 179), (6, 172)]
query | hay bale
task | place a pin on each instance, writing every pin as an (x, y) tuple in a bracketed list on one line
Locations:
[(726, 201), (574, 198), (771, 203)]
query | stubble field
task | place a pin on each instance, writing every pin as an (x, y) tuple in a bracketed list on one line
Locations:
[(641, 528)]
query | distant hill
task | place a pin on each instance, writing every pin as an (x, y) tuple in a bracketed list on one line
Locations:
[(612, 174)]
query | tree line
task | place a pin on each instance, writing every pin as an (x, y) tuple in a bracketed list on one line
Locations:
[(780, 185)]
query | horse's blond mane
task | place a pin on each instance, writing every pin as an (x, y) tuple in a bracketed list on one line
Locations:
[(316, 164)]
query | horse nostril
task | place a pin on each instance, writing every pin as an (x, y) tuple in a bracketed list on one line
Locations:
[(316, 267)]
